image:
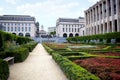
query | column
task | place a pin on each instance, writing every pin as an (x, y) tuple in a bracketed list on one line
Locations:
[(93, 20), (103, 12), (118, 15), (99, 19), (96, 19), (112, 14), (107, 13)]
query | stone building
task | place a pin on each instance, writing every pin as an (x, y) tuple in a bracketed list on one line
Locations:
[(103, 17), (51, 29), (22, 25), (68, 27)]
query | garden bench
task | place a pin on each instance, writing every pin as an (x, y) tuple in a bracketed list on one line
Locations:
[(10, 60)]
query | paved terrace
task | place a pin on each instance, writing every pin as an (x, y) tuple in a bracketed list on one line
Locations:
[(38, 66)]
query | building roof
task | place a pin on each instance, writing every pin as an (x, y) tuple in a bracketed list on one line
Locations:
[(17, 18), (68, 20)]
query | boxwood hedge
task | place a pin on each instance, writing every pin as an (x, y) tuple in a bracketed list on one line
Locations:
[(73, 71), (4, 70), (20, 54), (106, 36)]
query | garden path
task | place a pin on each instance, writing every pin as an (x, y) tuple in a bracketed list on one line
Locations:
[(38, 66)]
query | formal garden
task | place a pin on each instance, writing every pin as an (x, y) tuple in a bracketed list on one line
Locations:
[(13, 46), (94, 57)]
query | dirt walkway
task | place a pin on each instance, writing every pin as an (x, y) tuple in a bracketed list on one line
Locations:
[(38, 66)]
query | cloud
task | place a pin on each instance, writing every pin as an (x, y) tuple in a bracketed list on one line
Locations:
[(1, 10), (12, 1), (93, 1), (49, 8)]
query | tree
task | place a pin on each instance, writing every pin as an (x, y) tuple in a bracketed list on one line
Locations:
[(53, 33)]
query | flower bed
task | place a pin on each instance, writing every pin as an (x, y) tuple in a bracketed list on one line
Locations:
[(105, 68), (108, 54)]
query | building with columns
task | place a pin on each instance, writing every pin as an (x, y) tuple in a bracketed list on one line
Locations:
[(22, 25), (103, 17), (68, 27)]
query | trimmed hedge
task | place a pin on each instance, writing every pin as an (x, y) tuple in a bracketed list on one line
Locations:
[(1, 42), (2, 54), (20, 54), (106, 36), (49, 50), (73, 71), (4, 70), (30, 45)]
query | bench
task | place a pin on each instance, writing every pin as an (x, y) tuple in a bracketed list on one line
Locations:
[(10, 60)]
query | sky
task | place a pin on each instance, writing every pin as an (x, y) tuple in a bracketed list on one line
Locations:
[(46, 12)]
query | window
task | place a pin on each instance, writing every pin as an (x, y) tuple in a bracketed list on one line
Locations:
[(63, 29), (11, 28), (15, 28), (78, 29), (69, 29), (75, 29), (29, 28), (25, 28), (8, 29), (22, 28), (29, 24), (18, 28)]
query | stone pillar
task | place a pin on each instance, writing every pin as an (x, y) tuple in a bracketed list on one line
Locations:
[(96, 19), (112, 15), (99, 19), (107, 12), (90, 23), (118, 15), (103, 18), (93, 20)]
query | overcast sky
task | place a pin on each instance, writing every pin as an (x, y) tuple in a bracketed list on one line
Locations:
[(46, 12)]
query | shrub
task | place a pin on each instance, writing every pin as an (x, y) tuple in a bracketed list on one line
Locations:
[(30, 45), (106, 36), (20, 54), (1, 42), (4, 70), (49, 50), (73, 71), (2, 54)]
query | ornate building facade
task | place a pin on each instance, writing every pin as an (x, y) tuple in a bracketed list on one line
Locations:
[(103, 17), (22, 25), (68, 27)]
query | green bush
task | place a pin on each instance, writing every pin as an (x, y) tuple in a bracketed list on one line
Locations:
[(49, 50), (106, 36), (1, 42), (30, 45), (4, 70), (22, 40), (73, 71), (20, 54), (2, 54)]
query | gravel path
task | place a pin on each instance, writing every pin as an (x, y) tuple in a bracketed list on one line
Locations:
[(38, 66)]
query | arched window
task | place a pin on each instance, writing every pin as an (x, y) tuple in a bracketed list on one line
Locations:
[(14, 33), (70, 35), (27, 34), (64, 35), (76, 34), (20, 34)]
